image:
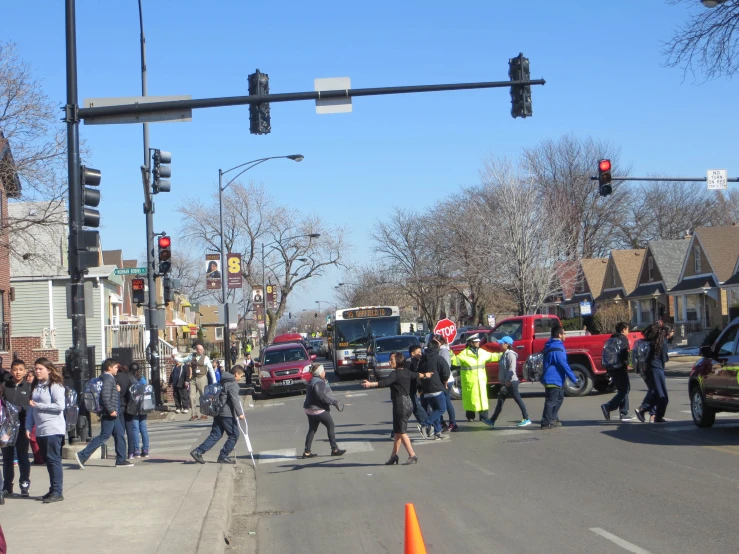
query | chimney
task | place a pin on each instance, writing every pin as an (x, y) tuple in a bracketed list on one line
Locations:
[(688, 235)]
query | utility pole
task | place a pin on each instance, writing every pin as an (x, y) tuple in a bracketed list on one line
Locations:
[(226, 326)]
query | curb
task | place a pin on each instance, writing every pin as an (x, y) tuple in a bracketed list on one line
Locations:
[(214, 530)]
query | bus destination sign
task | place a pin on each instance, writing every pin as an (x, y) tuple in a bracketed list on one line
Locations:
[(372, 312)]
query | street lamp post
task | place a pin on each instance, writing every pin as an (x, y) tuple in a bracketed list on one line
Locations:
[(221, 188)]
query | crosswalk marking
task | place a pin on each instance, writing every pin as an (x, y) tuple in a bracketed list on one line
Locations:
[(275, 456), (354, 447), (354, 394)]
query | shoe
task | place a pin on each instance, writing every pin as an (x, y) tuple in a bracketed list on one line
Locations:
[(627, 417), (124, 463), (80, 462), (197, 456), (453, 428), (25, 485), (194, 418), (441, 435), (177, 411), (226, 460), (548, 427), (524, 423), (338, 452), (651, 419), (392, 460), (487, 422), (606, 412), (144, 453), (392, 436), (2, 498), (557, 423), (130, 456), (47, 495), (410, 461), (444, 428), (658, 420), (53, 498), (426, 432), (137, 454), (640, 415), (203, 417), (307, 455)]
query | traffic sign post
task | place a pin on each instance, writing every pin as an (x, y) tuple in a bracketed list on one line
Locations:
[(717, 179), (130, 271), (447, 329)]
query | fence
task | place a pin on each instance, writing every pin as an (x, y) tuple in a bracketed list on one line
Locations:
[(137, 338)]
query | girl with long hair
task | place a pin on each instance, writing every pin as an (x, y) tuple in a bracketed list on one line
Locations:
[(656, 400), (46, 412)]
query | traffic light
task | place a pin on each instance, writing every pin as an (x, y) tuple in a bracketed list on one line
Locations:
[(165, 254), (168, 290), (518, 70), (259, 113), (162, 171), (604, 177), (138, 291), (89, 241)]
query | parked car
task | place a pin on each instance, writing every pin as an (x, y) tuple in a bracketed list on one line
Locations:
[(713, 385), (284, 367), (378, 353)]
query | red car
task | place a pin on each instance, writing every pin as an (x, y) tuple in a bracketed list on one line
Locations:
[(284, 367)]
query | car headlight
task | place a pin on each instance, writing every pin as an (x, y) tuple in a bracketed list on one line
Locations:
[(306, 369), (265, 374)]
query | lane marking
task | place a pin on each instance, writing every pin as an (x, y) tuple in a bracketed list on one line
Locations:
[(626, 545), (275, 456), (356, 446), (353, 394), (270, 405), (420, 441), (479, 468)]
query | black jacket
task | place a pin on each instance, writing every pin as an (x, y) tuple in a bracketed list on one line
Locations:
[(18, 395), (399, 382), (231, 390), (623, 348), (318, 396), (109, 397), (411, 364), (125, 379), (178, 377), (432, 362)]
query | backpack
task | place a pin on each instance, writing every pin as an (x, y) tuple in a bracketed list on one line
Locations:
[(9, 424), (93, 388), (639, 356), (611, 357), (533, 367), (142, 399), (71, 408), (212, 400)]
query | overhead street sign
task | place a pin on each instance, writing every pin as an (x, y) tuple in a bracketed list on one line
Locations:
[(130, 271), (333, 105), (716, 179), (174, 114)]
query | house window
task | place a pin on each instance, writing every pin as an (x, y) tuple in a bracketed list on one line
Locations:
[(694, 307), (697, 257), (219, 333), (613, 276), (651, 269), (645, 309)]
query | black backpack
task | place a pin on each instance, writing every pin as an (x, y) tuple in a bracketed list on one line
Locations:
[(611, 357), (9, 424), (71, 408)]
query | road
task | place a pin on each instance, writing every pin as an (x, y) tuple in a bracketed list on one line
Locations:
[(592, 486)]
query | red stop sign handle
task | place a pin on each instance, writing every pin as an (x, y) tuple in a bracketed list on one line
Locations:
[(447, 329)]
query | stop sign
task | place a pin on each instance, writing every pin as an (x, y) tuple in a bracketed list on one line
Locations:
[(447, 329)]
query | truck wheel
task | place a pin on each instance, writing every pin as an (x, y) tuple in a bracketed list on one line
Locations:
[(456, 393), (605, 385), (584, 381), (703, 416)]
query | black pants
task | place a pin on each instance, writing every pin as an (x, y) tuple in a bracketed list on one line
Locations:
[(249, 373), (313, 422), (503, 394), (620, 401), (553, 398), (471, 414), (181, 398), (20, 450), (51, 450)]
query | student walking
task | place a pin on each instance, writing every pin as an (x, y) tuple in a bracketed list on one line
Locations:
[(124, 379), (419, 412), (139, 421), (399, 382), (508, 379), (225, 421), (18, 392), (46, 412), (445, 353), (317, 406), (556, 370), (656, 400), (433, 373), (110, 424), (179, 383), (620, 375)]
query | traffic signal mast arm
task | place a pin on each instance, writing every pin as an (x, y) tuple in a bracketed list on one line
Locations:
[(675, 179)]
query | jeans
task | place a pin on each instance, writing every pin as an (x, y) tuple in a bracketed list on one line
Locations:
[(553, 398), (138, 423), (620, 401), (130, 437), (109, 425), (503, 394), (313, 422), (19, 451), (221, 425), (419, 412), (437, 405), (656, 399), (450, 406), (51, 450)]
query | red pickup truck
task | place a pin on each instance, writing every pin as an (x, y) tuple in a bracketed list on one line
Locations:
[(531, 332)]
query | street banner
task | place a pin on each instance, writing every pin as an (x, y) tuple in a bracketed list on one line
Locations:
[(447, 329), (233, 263), (272, 297), (212, 271), (257, 296)]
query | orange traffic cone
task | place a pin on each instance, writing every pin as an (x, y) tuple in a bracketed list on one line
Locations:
[(413, 538)]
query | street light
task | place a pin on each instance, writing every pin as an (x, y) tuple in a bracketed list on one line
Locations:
[(335, 305), (264, 276), (221, 188)]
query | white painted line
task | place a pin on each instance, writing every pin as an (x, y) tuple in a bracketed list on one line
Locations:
[(353, 394), (183, 448), (619, 541), (421, 442), (270, 405), (173, 442), (355, 447), (275, 456), (479, 468)]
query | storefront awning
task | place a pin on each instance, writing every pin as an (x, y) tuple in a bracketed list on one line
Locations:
[(647, 290), (176, 322)]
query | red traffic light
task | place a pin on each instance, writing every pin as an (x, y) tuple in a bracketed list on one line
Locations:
[(137, 284), (166, 242), (604, 165)]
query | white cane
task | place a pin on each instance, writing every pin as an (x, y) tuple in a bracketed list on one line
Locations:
[(245, 432)]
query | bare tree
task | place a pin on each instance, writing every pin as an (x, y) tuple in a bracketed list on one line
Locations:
[(707, 43), (374, 285), (189, 270)]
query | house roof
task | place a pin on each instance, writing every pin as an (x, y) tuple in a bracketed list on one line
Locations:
[(594, 271), (695, 283), (721, 247), (611, 295), (648, 289), (575, 300), (628, 264), (669, 256)]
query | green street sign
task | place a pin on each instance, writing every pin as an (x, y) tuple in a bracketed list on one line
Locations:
[(131, 271)]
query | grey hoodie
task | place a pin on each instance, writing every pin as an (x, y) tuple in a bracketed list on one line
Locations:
[(507, 367), (48, 414)]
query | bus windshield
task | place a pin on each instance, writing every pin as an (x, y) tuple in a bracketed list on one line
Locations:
[(357, 332)]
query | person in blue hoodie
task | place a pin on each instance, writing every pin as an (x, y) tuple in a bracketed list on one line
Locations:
[(556, 370)]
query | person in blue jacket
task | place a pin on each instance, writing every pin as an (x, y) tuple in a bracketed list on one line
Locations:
[(556, 370)]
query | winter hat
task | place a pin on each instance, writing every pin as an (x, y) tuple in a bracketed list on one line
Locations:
[(317, 369)]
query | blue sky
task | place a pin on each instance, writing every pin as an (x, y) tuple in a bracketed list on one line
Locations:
[(601, 60)]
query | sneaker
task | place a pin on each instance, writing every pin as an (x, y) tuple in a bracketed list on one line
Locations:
[(442, 435), (124, 463), (144, 453), (660, 420), (488, 422), (80, 462), (444, 428), (53, 498), (453, 428), (426, 432), (606, 412), (640, 415), (524, 423), (2, 498), (47, 495), (130, 456), (548, 427), (627, 417), (177, 411), (194, 418), (137, 454), (25, 485), (226, 460), (197, 456), (338, 452), (557, 423), (203, 417)]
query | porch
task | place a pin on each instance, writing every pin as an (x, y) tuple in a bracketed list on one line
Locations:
[(136, 337)]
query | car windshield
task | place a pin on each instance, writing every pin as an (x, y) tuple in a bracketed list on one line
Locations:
[(272, 357), (357, 332), (394, 344)]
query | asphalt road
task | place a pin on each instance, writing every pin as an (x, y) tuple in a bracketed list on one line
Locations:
[(592, 486)]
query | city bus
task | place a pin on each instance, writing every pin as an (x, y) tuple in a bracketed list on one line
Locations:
[(351, 331)]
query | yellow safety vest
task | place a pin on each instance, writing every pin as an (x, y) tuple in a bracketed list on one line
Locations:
[(474, 378)]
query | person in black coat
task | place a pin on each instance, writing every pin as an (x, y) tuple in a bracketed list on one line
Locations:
[(18, 392), (317, 406), (620, 377), (124, 379), (399, 382), (433, 374), (178, 380)]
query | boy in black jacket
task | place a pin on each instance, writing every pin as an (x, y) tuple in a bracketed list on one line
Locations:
[(225, 421), (433, 373), (620, 377), (18, 392)]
